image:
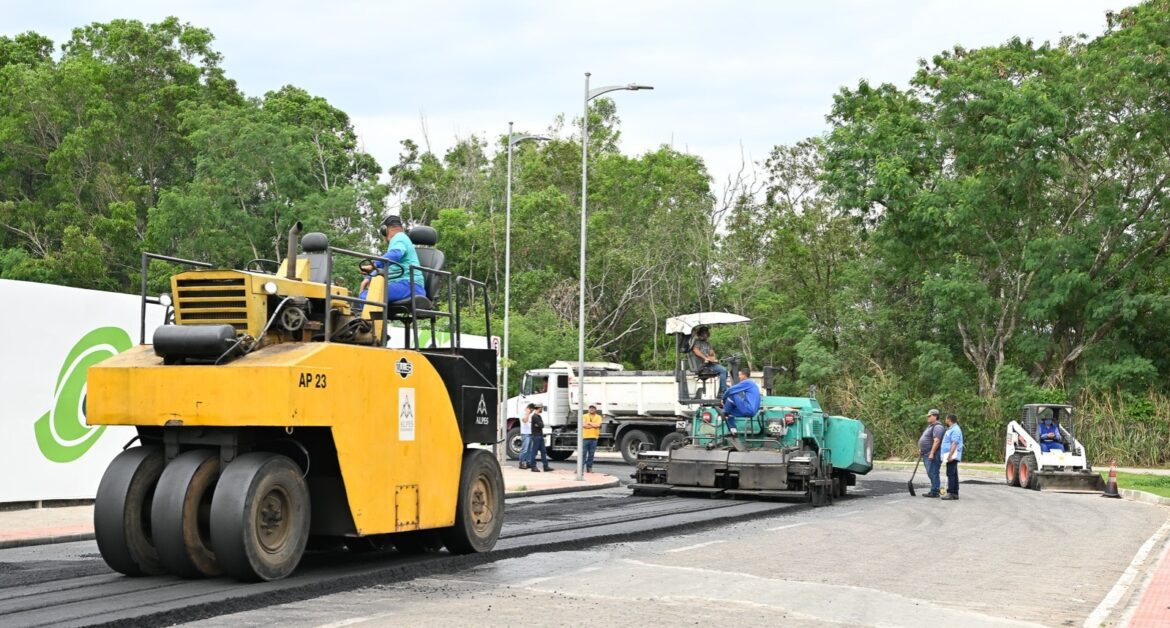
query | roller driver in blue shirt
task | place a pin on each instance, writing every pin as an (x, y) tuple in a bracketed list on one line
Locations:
[(401, 250), (741, 400)]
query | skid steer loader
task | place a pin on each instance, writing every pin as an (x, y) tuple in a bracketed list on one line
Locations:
[(1042, 452)]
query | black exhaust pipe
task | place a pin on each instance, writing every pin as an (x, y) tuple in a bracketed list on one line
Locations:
[(291, 259)]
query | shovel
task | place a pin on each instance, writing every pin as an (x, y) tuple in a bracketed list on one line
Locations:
[(910, 484)]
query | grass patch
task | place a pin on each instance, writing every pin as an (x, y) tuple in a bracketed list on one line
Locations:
[(1156, 484)]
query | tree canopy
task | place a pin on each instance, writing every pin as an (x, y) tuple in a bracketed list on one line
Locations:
[(991, 233)]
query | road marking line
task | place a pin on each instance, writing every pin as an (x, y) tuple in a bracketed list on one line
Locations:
[(691, 547), (851, 512), (1097, 617), (898, 500), (355, 620), (791, 525)]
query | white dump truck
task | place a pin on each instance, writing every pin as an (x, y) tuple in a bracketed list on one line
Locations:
[(638, 406)]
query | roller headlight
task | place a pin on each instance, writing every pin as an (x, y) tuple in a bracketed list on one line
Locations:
[(270, 287)]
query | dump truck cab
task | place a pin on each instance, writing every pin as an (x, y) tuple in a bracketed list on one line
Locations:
[(273, 411)]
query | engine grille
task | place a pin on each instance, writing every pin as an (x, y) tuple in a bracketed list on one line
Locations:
[(208, 301)]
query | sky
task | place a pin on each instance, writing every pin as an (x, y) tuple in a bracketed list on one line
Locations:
[(732, 79)]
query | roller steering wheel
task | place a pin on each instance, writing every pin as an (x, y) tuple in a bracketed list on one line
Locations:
[(367, 267)]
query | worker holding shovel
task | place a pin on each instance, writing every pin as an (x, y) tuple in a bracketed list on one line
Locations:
[(928, 445)]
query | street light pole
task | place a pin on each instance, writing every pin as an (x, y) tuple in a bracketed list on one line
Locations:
[(501, 419), (589, 95)]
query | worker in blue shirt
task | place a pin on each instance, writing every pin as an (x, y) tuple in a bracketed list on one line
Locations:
[(400, 250), (1048, 433), (741, 400), (952, 453)]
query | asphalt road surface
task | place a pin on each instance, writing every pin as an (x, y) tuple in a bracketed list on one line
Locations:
[(998, 556)]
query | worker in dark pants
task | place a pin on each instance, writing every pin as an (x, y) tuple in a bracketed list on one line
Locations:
[(952, 448), (928, 447), (538, 440)]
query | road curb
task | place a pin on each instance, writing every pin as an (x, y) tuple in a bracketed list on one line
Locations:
[(46, 540), (1135, 495), (564, 489)]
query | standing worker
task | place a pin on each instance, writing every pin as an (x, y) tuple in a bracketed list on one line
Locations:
[(952, 447), (928, 445), (538, 440), (590, 432), (526, 435)]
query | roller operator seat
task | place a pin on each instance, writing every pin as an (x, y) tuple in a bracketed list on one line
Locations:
[(315, 246)]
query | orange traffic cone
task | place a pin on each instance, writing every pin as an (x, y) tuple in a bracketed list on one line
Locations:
[(1111, 485)]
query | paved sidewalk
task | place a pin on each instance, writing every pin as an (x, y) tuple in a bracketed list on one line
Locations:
[(38, 526), (520, 482), (1154, 608)]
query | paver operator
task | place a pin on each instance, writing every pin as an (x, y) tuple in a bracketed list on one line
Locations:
[(741, 400)]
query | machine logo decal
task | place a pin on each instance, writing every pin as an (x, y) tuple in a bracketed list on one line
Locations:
[(406, 413), (404, 367), (62, 435), (481, 412)]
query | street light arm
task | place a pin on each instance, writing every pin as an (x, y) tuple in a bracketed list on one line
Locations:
[(524, 138), (633, 87)]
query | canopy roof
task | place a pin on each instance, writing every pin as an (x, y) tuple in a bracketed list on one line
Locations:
[(684, 324)]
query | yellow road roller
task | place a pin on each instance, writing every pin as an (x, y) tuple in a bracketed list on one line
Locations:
[(276, 408)]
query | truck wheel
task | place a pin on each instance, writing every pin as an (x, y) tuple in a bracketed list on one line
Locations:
[(479, 513), (180, 514), (260, 517), (121, 513), (513, 443), (560, 455), (1028, 477), (1011, 472), (631, 441), (672, 441)]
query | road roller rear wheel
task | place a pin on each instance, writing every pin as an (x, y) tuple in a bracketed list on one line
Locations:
[(479, 513), (181, 514), (260, 517), (121, 513)]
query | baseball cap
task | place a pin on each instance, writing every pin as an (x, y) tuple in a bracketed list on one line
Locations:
[(933, 411)]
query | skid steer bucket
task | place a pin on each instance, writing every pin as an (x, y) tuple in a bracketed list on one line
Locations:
[(1071, 482)]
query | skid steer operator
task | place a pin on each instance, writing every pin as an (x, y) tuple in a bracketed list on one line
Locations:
[(401, 250), (1048, 432), (741, 400)]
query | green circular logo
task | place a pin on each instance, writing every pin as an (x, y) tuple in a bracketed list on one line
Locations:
[(62, 434)]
